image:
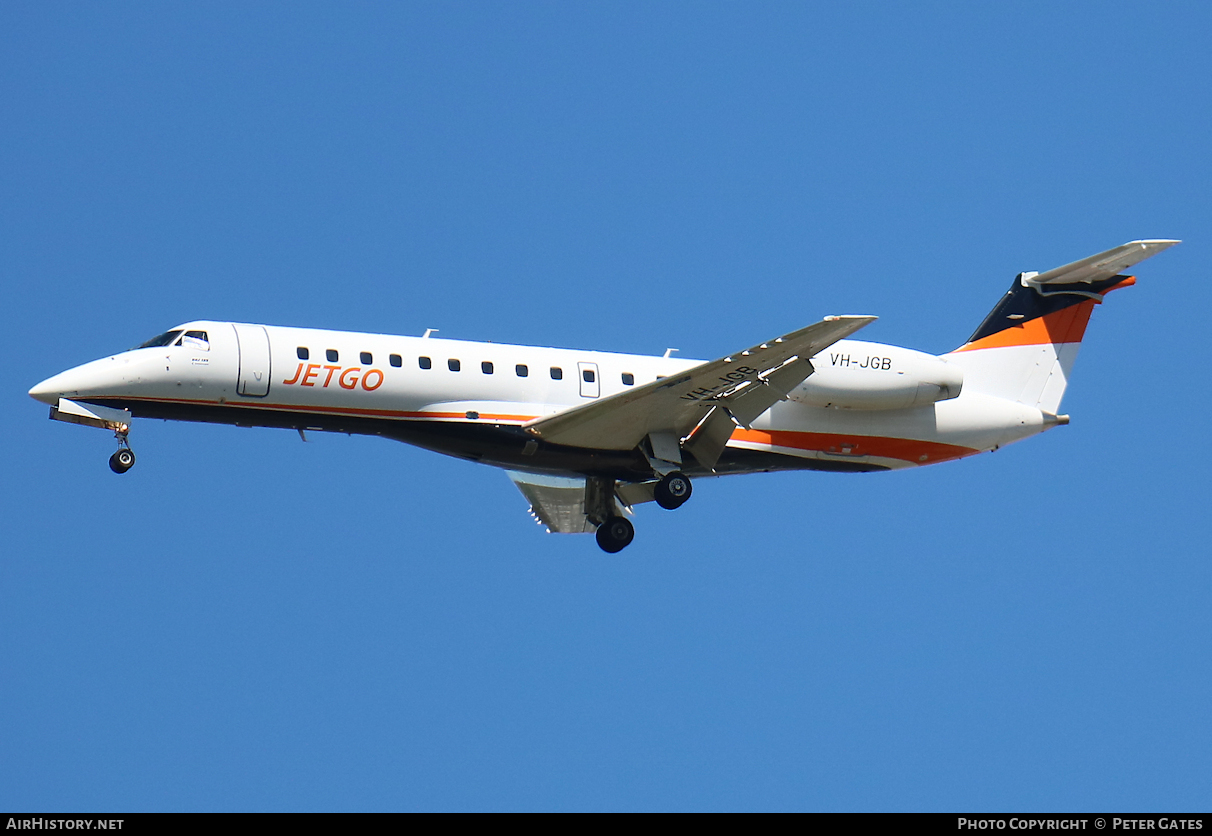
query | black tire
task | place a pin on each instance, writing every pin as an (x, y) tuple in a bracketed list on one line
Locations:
[(673, 490), (615, 534), (122, 460)]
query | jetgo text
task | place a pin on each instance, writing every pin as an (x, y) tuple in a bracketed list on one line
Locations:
[(347, 377)]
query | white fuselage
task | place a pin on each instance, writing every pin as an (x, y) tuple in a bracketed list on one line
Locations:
[(587, 435), (867, 406)]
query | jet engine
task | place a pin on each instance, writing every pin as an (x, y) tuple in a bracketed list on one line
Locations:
[(858, 375)]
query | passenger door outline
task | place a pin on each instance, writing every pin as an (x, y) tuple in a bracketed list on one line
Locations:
[(252, 379)]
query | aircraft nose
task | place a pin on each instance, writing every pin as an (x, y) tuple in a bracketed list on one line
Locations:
[(49, 390), (89, 379), (107, 377)]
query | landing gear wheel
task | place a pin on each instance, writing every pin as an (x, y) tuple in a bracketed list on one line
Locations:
[(615, 534), (122, 461), (673, 490)]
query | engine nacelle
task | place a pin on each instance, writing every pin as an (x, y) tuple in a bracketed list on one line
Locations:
[(861, 375)]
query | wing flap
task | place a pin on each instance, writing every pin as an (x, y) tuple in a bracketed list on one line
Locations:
[(556, 502), (677, 404), (749, 403), (709, 438)]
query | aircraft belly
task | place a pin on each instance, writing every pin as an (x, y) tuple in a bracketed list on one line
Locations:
[(492, 444)]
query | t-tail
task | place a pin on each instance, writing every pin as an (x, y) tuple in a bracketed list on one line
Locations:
[(1025, 349)]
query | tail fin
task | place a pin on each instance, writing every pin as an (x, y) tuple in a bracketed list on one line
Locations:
[(1025, 349)]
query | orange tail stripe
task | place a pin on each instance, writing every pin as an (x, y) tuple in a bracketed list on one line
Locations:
[(1064, 326)]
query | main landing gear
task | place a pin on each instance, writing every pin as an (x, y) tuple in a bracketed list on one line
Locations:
[(672, 491), (124, 458), (615, 532)]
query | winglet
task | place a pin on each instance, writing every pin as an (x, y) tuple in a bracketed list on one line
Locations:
[(860, 320)]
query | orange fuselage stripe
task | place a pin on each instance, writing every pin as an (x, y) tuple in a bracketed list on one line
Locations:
[(905, 449)]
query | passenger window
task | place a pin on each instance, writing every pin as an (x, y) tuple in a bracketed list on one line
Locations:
[(396, 360), (302, 353), (521, 370), (587, 375), (367, 358), (331, 354), (453, 365), (557, 373), (195, 340), (486, 367), (425, 362), (628, 379)]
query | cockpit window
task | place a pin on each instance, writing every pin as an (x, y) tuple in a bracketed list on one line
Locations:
[(163, 339), (196, 340)]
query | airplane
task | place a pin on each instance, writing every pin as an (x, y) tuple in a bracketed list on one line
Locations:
[(588, 435)]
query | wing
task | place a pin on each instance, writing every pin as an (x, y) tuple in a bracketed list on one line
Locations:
[(746, 384), (1102, 266), (556, 502)]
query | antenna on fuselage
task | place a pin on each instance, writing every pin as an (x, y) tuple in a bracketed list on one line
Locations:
[(429, 331), (668, 353)]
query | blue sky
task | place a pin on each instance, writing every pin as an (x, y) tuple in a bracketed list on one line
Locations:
[(245, 622)]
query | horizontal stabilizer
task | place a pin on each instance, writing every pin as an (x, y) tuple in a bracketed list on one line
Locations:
[(1102, 266)]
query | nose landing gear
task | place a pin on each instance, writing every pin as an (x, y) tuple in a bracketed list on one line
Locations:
[(123, 458), (116, 421)]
